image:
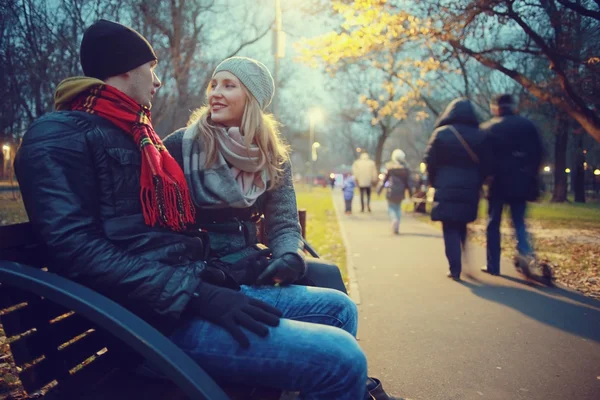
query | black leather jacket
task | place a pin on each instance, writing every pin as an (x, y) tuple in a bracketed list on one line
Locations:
[(79, 177)]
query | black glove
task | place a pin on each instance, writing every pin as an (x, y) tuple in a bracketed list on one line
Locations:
[(247, 270), (287, 269), (233, 310)]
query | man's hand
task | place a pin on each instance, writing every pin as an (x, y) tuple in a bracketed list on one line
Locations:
[(233, 310), (287, 269)]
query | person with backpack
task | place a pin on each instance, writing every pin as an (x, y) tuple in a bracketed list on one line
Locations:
[(399, 177)]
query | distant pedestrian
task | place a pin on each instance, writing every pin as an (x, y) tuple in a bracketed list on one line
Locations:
[(332, 180), (400, 181), (365, 173), (348, 189), (518, 156), (454, 158)]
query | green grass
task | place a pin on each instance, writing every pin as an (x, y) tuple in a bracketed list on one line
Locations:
[(322, 228), (555, 215), (12, 210)]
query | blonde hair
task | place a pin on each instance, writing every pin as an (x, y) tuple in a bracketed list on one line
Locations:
[(257, 128)]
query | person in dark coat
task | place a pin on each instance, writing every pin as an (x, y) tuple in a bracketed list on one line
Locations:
[(518, 156), (454, 158), (400, 181)]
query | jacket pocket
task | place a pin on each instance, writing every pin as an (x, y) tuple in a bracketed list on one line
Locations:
[(125, 167)]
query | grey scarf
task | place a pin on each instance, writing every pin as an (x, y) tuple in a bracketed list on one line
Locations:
[(219, 185)]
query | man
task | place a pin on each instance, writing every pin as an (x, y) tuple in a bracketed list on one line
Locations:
[(365, 174), (110, 205), (517, 158)]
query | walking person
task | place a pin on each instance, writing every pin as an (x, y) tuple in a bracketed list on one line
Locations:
[(518, 156), (348, 189), (454, 158), (365, 174), (400, 181)]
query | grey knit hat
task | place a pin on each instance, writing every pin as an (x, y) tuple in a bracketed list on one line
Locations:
[(253, 74)]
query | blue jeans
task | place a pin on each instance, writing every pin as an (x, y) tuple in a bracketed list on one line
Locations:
[(313, 351), (517, 212), (455, 236), (394, 212)]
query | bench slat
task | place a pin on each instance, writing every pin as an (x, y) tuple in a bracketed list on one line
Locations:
[(90, 376), (82, 349), (30, 347), (10, 296), (36, 313), (44, 372)]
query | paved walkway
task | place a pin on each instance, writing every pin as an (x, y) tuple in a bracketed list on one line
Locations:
[(430, 338)]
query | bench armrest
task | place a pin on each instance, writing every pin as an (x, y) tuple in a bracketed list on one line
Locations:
[(118, 321), (309, 249)]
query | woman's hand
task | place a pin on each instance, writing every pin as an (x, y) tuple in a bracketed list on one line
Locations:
[(286, 269)]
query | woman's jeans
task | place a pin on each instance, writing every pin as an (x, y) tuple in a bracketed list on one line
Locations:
[(455, 235), (313, 350), (394, 212)]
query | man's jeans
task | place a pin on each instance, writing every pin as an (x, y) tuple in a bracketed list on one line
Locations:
[(394, 212), (517, 212), (365, 191), (455, 236), (313, 350)]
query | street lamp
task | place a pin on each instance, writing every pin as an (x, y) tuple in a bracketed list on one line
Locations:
[(315, 146), (547, 168), (422, 167), (315, 115)]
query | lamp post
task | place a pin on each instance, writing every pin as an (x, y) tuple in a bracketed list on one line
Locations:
[(314, 116), (278, 48)]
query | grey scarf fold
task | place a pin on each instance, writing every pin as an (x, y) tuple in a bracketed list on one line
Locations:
[(219, 185)]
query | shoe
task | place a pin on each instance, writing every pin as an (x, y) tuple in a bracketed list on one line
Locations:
[(484, 269), (452, 276), (524, 264), (369, 208), (376, 391)]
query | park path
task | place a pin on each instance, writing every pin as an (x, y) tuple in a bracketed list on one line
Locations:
[(430, 338)]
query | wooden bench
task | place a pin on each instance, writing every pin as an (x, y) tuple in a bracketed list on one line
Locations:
[(85, 345)]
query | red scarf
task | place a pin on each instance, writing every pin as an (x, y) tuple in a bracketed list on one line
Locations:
[(164, 192)]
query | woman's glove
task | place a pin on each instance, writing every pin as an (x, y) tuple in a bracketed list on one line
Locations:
[(286, 269), (233, 310)]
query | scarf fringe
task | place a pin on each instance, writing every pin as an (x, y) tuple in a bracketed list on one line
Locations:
[(164, 200)]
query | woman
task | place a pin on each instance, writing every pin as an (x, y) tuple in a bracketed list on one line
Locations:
[(454, 160), (399, 177), (238, 169)]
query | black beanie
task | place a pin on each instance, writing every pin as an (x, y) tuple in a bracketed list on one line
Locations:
[(110, 49)]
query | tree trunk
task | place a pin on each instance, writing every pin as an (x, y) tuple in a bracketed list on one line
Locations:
[(579, 172), (560, 160), (379, 150)]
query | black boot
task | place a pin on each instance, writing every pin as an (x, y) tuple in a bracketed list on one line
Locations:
[(376, 392)]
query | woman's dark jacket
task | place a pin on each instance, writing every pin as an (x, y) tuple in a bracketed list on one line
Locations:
[(400, 180), (79, 177), (278, 206), (455, 176)]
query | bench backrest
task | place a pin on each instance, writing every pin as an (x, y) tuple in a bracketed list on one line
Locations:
[(48, 342)]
